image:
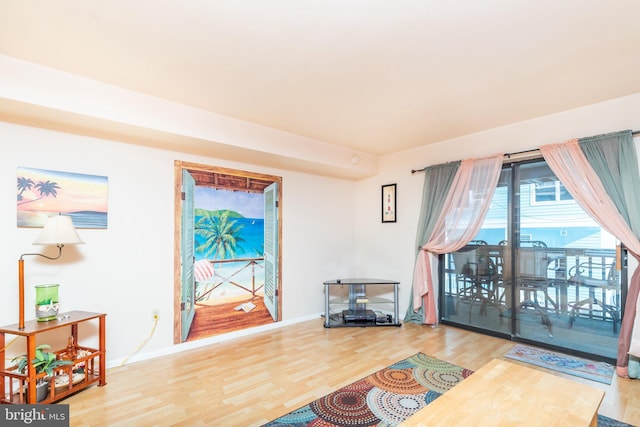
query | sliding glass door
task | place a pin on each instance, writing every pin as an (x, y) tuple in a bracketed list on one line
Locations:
[(540, 269)]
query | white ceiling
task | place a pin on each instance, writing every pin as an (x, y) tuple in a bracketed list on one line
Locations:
[(377, 76)]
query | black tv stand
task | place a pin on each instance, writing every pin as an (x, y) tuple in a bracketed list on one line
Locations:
[(361, 302)]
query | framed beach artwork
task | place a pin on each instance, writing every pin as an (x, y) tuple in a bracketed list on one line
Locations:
[(42, 193), (389, 203)]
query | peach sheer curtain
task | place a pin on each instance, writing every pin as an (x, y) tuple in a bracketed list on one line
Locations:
[(571, 166), (460, 220)]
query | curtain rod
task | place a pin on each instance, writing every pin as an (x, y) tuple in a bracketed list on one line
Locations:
[(519, 154)]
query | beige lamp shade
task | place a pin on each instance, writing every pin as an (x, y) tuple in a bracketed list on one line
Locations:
[(58, 230)]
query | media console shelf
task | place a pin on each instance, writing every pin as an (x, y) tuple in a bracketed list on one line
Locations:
[(360, 304), (89, 364)]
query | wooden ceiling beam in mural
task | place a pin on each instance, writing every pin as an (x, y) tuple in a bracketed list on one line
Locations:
[(229, 182)]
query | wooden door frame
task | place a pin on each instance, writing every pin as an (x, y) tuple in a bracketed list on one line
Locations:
[(177, 263)]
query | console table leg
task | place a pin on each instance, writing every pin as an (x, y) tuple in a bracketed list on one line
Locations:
[(103, 351), (2, 347), (31, 371)]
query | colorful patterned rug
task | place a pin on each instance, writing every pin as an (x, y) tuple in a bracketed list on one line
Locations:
[(387, 397), (384, 398), (596, 371)]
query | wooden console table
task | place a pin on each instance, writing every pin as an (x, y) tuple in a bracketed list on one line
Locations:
[(85, 359), (504, 393)]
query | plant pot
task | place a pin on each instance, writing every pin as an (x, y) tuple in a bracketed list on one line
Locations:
[(42, 390)]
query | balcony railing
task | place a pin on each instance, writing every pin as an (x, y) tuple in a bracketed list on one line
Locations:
[(242, 276), (579, 282)]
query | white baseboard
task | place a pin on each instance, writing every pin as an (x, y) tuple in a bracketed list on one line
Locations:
[(208, 341)]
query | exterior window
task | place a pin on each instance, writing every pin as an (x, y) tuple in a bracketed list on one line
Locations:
[(549, 192)]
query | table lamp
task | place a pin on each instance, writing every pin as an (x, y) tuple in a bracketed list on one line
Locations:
[(58, 231)]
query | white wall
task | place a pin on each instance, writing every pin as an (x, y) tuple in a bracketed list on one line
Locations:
[(388, 250), (332, 227), (126, 270)]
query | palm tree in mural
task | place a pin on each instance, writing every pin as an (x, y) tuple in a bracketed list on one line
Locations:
[(259, 252), (45, 189), (221, 235), (24, 184)]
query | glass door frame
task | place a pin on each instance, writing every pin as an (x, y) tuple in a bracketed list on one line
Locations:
[(513, 234)]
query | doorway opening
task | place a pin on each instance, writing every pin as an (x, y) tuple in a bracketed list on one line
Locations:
[(227, 250)]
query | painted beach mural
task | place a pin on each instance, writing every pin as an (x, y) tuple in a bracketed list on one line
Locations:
[(42, 193), (229, 230)]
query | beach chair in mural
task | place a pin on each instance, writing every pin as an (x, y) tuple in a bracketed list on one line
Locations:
[(203, 271)]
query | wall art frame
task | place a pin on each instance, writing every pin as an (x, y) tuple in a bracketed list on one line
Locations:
[(42, 192), (389, 206)]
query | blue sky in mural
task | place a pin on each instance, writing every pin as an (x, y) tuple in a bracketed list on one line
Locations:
[(250, 205)]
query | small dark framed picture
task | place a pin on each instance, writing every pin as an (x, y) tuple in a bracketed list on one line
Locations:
[(389, 203)]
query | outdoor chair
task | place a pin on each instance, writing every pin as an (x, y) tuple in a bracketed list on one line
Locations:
[(532, 274), (476, 277), (601, 280), (531, 279)]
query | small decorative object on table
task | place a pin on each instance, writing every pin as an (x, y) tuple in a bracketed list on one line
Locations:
[(71, 352), (47, 303), (62, 381)]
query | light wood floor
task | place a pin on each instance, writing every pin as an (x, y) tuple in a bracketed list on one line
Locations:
[(251, 380)]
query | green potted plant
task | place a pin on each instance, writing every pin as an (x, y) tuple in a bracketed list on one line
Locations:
[(44, 361)]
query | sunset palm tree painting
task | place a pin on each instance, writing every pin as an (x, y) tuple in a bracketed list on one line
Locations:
[(41, 193)]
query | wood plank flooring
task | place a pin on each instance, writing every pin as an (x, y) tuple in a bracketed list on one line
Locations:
[(254, 379)]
